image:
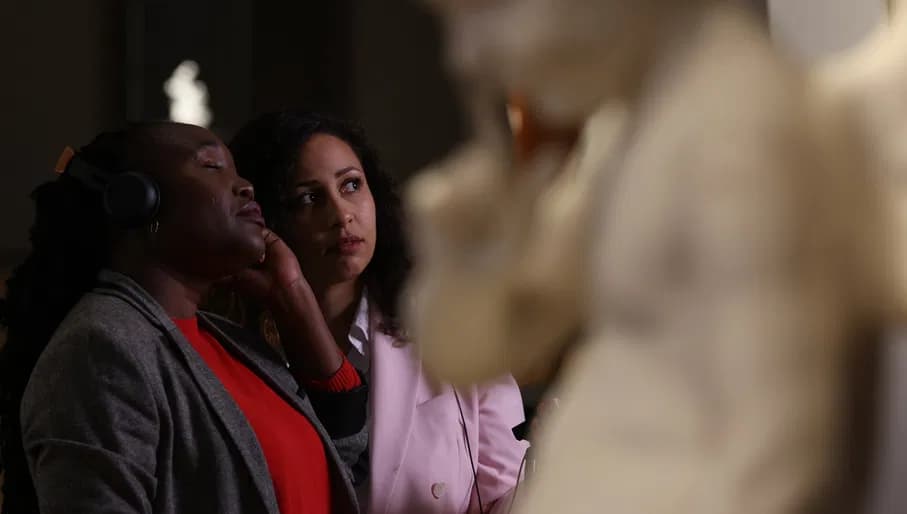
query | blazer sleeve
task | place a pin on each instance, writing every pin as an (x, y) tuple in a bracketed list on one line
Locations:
[(500, 453), (90, 428)]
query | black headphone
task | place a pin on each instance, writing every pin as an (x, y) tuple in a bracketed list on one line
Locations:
[(131, 199)]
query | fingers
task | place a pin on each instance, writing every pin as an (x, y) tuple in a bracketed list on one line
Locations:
[(270, 237), (279, 262)]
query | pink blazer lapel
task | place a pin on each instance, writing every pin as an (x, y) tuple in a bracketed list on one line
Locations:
[(395, 378)]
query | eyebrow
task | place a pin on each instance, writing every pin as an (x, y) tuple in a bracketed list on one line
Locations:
[(338, 173), (206, 144)]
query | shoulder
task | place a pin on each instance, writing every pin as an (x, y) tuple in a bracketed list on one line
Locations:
[(386, 330), (502, 397), (102, 342), (103, 322), (102, 353)]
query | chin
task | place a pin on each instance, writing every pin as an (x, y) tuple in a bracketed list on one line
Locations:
[(255, 247), (347, 272), (245, 254)]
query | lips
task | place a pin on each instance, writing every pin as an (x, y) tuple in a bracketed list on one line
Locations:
[(252, 212), (347, 245)]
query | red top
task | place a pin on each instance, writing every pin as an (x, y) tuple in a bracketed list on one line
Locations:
[(292, 448)]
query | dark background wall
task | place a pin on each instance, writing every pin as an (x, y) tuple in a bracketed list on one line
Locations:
[(62, 80), (72, 69)]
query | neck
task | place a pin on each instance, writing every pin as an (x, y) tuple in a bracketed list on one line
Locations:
[(338, 304), (178, 294)]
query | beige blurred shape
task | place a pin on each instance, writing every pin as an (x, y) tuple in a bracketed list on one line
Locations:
[(722, 236)]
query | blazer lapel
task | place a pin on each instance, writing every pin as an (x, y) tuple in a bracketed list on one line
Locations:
[(264, 362), (271, 368), (395, 377), (220, 400), (232, 417)]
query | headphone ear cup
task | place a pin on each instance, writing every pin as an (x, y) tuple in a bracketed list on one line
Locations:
[(131, 199)]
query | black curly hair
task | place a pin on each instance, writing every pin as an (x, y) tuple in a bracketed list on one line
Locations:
[(71, 241), (265, 151)]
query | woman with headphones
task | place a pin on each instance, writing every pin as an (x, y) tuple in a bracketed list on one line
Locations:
[(431, 448), (131, 399)]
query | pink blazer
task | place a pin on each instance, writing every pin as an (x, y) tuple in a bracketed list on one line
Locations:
[(418, 453)]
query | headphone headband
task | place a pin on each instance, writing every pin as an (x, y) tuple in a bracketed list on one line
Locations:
[(88, 174)]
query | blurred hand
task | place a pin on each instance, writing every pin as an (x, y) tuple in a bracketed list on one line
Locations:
[(530, 134), (543, 411)]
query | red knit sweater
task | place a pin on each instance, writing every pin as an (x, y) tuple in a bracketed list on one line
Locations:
[(292, 448)]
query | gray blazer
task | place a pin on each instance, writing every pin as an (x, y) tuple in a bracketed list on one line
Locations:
[(121, 415)]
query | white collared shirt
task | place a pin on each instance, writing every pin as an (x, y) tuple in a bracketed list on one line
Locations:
[(359, 338), (359, 358)]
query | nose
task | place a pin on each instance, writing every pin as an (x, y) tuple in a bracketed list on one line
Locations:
[(340, 213), (244, 189)]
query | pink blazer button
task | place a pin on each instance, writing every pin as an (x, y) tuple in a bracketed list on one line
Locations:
[(437, 489)]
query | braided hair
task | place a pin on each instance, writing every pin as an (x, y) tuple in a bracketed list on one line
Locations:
[(265, 152), (71, 241)]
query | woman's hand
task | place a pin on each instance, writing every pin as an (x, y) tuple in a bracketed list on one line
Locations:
[(277, 274), (278, 282)]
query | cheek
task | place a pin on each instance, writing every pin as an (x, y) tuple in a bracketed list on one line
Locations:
[(194, 218), (367, 214), (198, 199), (371, 231)]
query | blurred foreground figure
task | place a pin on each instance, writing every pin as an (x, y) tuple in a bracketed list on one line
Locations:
[(715, 236)]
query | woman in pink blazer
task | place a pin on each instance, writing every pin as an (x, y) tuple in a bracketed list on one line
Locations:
[(431, 449)]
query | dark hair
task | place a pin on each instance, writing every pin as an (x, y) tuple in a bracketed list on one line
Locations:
[(71, 241), (265, 152)]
